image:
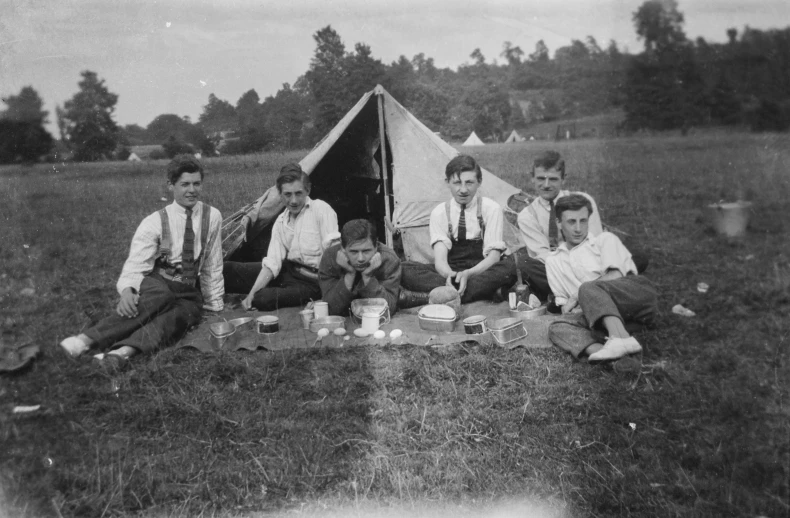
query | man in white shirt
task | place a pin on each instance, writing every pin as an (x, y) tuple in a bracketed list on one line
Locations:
[(174, 267), (597, 275), (539, 228), (467, 239), (288, 275)]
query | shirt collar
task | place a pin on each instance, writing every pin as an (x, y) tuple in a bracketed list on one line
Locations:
[(564, 244), (287, 215), (180, 210), (469, 206), (546, 205)]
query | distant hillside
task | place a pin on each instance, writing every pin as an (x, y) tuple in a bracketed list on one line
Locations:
[(602, 125)]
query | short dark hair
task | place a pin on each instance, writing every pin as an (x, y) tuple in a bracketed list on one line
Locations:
[(291, 173), (357, 230), (549, 160), (573, 201), (462, 164), (181, 164)]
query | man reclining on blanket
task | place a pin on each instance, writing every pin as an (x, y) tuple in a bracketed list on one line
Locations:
[(596, 274)]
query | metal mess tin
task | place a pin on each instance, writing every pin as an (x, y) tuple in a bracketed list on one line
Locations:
[(241, 323), (268, 324), (475, 325), (437, 317), (221, 333), (528, 314), (506, 330), (331, 323), (376, 305)]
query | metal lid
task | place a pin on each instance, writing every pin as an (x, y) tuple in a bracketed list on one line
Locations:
[(438, 312)]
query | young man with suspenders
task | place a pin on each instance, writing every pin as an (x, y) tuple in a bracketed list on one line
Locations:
[(174, 268), (467, 238)]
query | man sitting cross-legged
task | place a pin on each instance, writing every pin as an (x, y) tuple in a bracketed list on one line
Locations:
[(288, 275), (174, 268), (358, 268), (596, 274), (467, 239)]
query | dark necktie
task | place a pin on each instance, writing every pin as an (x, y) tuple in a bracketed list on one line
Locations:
[(188, 252), (552, 225), (462, 224)]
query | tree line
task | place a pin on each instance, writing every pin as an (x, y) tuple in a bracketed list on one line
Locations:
[(673, 83)]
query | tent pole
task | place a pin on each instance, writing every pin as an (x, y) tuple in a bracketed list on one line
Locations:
[(385, 176)]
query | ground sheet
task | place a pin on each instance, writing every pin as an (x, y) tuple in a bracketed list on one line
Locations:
[(292, 335)]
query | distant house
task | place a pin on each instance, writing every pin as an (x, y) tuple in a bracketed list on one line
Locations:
[(133, 158)]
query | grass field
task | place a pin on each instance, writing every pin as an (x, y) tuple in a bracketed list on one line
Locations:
[(701, 429)]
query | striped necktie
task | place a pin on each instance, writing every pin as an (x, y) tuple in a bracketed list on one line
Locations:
[(462, 224), (552, 225), (188, 252)]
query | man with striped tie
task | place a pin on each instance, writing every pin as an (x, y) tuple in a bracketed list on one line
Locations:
[(467, 239), (538, 222), (174, 268)]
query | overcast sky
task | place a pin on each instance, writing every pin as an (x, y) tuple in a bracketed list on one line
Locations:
[(167, 56)]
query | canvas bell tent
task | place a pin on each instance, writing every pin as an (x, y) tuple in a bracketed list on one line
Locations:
[(514, 137), (473, 140), (380, 163)]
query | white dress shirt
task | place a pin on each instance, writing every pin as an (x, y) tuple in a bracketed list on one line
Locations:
[(567, 269), (145, 247), (533, 222), (492, 217), (303, 239)]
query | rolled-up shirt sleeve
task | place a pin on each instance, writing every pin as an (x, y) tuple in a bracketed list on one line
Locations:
[(614, 254), (277, 252), (327, 225), (494, 221), (437, 227), (558, 279), (212, 283), (142, 254)]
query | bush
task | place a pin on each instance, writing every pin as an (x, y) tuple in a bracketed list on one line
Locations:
[(157, 154), (770, 116), (175, 147), (122, 153)]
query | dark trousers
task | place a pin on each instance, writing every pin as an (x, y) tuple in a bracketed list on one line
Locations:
[(533, 272), (632, 299), (424, 277), (290, 288), (166, 310)]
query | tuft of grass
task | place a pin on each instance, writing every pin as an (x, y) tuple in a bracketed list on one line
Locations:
[(699, 429)]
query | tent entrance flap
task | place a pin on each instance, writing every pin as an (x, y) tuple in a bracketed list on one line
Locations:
[(350, 176)]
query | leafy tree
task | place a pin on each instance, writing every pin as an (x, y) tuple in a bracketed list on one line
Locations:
[(541, 54), (25, 107), (167, 125), (22, 141), (135, 135), (218, 115), (173, 147), (286, 114), (659, 24), (88, 119), (512, 54), (22, 133), (478, 57), (248, 108)]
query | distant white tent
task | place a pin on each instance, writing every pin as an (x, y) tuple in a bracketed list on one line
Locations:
[(473, 140), (133, 158), (198, 156), (514, 137)]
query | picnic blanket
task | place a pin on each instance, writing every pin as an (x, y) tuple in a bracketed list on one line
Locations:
[(292, 335)]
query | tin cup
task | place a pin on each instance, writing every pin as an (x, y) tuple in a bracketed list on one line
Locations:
[(268, 324), (321, 309), (475, 325), (307, 317)]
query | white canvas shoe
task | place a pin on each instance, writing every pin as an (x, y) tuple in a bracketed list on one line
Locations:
[(616, 348), (74, 346)]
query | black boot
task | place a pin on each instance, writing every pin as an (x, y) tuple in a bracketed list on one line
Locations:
[(410, 299)]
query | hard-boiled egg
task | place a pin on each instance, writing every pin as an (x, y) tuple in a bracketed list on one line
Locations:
[(395, 334), (339, 331), (379, 334), (361, 333), (323, 332)]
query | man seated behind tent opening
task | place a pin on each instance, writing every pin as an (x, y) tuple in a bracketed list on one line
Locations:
[(466, 235), (595, 273), (359, 267), (288, 275)]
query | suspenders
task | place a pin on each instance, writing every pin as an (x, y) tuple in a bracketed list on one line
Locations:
[(480, 221), (166, 242)]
